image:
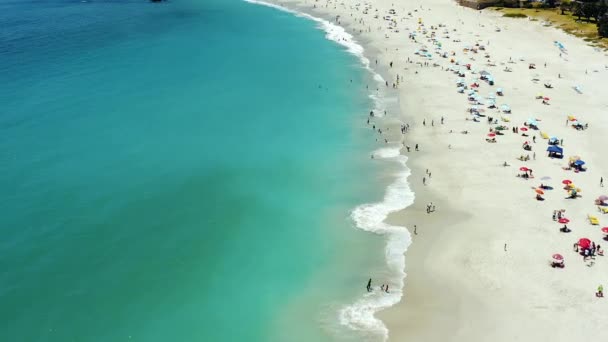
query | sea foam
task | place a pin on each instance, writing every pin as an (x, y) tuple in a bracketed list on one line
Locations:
[(359, 316)]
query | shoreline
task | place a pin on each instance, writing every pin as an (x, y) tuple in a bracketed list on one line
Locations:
[(461, 283), (372, 217)]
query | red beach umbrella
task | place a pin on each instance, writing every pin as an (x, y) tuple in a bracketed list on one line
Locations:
[(558, 257), (491, 134), (605, 230), (566, 181), (584, 243), (523, 129), (523, 168), (563, 220)]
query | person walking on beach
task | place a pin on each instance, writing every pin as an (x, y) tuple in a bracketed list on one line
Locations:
[(423, 180), (416, 147), (442, 120), (369, 285), (386, 288), (415, 232), (424, 122), (602, 181)]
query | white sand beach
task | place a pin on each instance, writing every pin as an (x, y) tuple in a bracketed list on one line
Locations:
[(479, 266)]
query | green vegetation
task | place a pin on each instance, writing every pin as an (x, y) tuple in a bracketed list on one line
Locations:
[(514, 15), (576, 19)]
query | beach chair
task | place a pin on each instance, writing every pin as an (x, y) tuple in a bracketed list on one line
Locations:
[(593, 220), (604, 210), (544, 135)]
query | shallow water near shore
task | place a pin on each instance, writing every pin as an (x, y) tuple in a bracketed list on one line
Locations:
[(180, 171)]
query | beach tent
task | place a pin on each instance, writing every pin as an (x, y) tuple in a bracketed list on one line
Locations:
[(555, 149)]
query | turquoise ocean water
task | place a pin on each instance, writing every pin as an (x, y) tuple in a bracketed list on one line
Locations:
[(181, 171)]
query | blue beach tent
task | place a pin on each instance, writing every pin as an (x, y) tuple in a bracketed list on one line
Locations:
[(555, 149)]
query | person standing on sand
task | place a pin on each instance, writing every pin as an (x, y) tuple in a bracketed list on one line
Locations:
[(415, 232), (601, 181), (416, 147), (369, 285), (423, 180)]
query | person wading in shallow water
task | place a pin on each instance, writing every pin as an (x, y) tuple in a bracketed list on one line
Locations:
[(369, 285)]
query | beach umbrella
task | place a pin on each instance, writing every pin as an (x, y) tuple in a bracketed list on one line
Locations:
[(557, 257), (563, 220), (540, 192), (579, 162), (566, 181), (523, 168), (584, 243), (603, 198), (605, 230), (523, 129)]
